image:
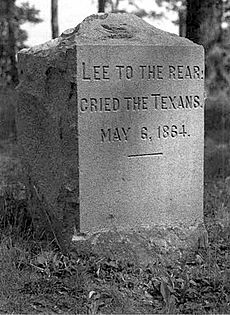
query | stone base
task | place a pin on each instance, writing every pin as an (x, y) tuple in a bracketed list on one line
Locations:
[(142, 246)]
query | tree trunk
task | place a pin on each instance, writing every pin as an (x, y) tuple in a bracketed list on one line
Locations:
[(182, 22), (54, 18), (101, 6), (203, 22), (13, 72)]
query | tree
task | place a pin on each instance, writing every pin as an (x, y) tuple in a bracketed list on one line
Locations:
[(204, 21), (182, 21), (200, 17), (178, 6), (110, 5), (11, 40), (12, 37), (205, 26), (54, 18), (101, 5)]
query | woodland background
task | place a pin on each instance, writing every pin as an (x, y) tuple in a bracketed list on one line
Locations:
[(36, 277)]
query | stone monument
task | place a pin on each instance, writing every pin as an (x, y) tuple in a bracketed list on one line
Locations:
[(111, 125)]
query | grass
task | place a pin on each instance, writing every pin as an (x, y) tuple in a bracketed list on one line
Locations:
[(38, 278)]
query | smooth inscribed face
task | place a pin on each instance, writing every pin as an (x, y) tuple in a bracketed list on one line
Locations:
[(141, 135)]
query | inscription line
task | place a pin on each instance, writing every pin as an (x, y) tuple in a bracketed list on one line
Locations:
[(145, 154)]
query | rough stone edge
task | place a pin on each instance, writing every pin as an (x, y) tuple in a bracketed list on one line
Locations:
[(144, 244), (78, 35)]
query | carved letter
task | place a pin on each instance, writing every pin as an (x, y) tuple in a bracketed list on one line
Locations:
[(116, 135), (84, 72), (105, 135), (125, 132)]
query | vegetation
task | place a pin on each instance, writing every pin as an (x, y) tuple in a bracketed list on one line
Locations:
[(13, 37)]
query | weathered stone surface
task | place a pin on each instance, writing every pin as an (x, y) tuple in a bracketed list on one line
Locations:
[(145, 246), (110, 117)]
